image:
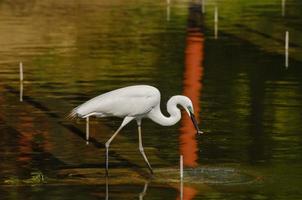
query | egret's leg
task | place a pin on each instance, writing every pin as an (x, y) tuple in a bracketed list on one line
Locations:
[(107, 188), (141, 148), (107, 144), (143, 193), (107, 147)]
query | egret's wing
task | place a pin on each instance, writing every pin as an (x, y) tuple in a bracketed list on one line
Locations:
[(126, 105), (128, 101)]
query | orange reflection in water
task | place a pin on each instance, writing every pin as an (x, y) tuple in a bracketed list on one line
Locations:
[(188, 193), (192, 89), (193, 74)]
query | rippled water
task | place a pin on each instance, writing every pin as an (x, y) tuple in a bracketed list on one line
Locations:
[(247, 102)]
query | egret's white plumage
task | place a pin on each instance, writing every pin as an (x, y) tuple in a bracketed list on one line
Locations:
[(135, 102), (128, 101)]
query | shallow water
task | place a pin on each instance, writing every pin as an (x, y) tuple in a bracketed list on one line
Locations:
[(248, 104)]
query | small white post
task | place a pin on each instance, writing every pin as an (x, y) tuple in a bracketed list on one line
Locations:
[(203, 6), (216, 22), (21, 91), (283, 7), (21, 80), (286, 48), (87, 128), (181, 165), (21, 71), (168, 10), (181, 190)]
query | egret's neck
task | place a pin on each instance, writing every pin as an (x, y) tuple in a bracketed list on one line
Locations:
[(175, 114)]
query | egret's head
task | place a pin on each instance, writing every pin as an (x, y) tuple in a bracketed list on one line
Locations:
[(187, 104)]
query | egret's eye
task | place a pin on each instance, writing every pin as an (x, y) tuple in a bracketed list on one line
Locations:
[(190, 109)]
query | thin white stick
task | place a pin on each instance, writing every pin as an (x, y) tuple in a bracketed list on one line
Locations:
[(168, 12), (181, 189), (283, 7), (21, 71), (181, 165), (203, 6), (21, 80), (87, 128), (21, 91), (286, 48), (216, 22)]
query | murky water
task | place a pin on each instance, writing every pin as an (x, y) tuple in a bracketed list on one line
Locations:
[(247, 102)]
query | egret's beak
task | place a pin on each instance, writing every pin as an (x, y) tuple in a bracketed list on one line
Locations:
[(199, 132)]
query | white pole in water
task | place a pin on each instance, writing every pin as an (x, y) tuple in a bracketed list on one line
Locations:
[(216, 22), (181, 190), (168, 10), (87, 128), (283, 7), (203, 6), (21, 91), (286, 48), (21, 80), (21, 71), (181, 166)]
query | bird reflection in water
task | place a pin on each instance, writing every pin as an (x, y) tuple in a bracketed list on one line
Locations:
[(194, 55), (140, 195), (143, 193)]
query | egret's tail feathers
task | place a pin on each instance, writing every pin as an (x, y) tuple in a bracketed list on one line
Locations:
[(72, 115)]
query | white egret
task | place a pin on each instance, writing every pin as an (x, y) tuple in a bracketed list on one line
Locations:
[(135, 102)]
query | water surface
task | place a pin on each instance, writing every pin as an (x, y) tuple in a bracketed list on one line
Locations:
[(246, 101)]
